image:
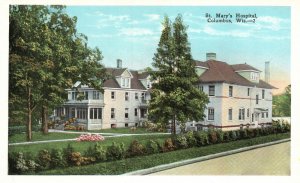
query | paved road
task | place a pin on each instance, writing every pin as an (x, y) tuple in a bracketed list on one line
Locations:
[(270, 160)]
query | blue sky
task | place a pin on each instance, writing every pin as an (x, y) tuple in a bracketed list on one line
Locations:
[(131, 33)]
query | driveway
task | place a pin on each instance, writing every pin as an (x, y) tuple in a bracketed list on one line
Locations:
[(270, 160)]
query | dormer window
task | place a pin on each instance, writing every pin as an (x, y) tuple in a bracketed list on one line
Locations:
[(125, 82), (254, 76), (149, 85)]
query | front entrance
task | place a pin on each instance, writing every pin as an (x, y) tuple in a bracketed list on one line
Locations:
[(256, 119)]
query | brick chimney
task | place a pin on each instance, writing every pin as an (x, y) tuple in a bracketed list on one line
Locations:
[(119, 63)]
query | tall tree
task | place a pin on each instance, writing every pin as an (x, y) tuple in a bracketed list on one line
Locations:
[(282, 103), (174, 96), (47, 55)]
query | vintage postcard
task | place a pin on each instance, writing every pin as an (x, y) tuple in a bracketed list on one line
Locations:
[(150, 90)]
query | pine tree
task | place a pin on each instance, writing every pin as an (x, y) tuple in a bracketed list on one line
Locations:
[(174, 97)]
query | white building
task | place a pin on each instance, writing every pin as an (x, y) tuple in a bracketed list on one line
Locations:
[(238, 98), (123, 103)]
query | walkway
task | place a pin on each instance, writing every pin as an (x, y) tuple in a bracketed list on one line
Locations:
[(270, 160)]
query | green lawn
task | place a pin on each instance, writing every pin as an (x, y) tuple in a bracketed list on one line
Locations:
[(39, 136), (124, 130), (142, 162), (33, 149)]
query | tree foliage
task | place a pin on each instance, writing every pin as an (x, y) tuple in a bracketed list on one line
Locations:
[(47, 55), (174, 96), (282, 103)]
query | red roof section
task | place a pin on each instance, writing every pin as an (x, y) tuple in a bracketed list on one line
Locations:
[(222, 72), (135, 80)]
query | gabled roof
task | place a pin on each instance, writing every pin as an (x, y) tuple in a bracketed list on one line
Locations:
[(244, 67), (135, 82), (222, 72), (201, 64)]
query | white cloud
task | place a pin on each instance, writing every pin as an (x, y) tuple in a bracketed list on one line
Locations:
[(135, 32), (191, 30), (152, 17), (233, 33)]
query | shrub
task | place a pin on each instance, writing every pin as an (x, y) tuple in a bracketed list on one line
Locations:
[(233, 135), (135, 149), (152, 147), (67, 152), (250, 133), (115, 151), (191, 140), (22, 129), (32, 165), (243, 134), (201, 138), (212, 136), (226, 136), (168, 145), (76, 158), (286, 127), (57, 158), (99, 153), (180, 141), (44, 159), (17, 163), (220, 136)]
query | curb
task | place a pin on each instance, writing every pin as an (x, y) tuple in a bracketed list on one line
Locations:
[(203, 158)]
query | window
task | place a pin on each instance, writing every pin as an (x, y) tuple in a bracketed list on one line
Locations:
[(136, 96), (143, 96), (257, 98), (267, 114), (242, 114), (74, 95), (86, 95), (126, 113), (248, 93), (81, 113), (254, 76), (230, 91), (112, 113), (148, 84), (126, 124), (125, 82), (135, 111), (112, 95), (248, 113), (126, 96), (96, 95), (211, 90), (262, 115), (95, 113), (230, 114), (252, 117), (263, 94), (211, 113), (199, 87)]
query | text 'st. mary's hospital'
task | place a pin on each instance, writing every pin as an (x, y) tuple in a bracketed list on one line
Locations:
[(228, 18)]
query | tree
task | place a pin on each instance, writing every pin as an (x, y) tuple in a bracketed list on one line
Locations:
[(47, 55), (282, 103), (174, 96)]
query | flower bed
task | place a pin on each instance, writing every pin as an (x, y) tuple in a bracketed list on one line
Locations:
[(90, 137)]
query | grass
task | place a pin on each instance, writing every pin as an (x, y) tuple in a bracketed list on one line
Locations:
[(138, 130), (39, 136), (143, 162), (33, 149)]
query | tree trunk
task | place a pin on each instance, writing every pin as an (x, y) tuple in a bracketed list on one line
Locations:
[(174, 125), (45, 119), (29, 112)]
